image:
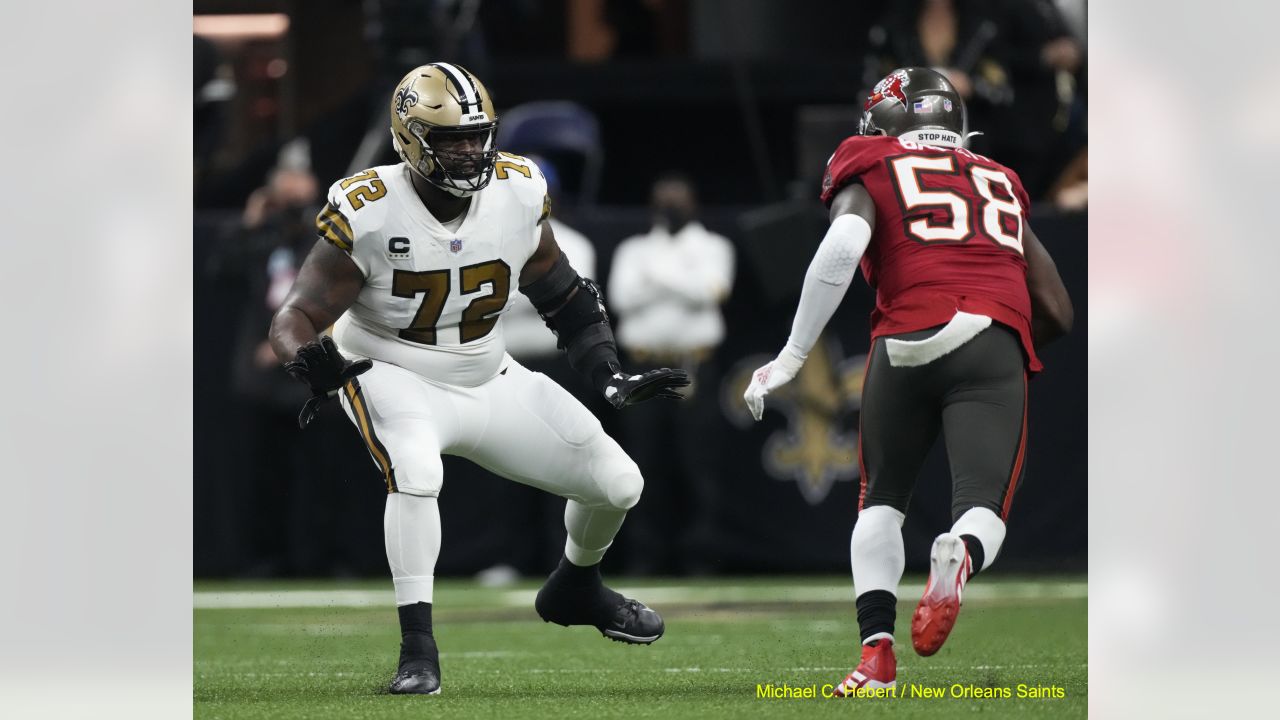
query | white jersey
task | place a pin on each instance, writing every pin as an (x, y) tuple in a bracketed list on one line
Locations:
[(433, 296)]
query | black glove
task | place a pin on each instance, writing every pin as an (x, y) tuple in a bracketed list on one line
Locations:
[(322, 367), (622, 389)]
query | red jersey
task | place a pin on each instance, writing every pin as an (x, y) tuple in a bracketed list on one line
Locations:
[(948, 234)]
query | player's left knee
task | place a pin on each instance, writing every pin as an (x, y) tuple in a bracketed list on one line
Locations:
[(621, 481), (625, 491), (615, 476)]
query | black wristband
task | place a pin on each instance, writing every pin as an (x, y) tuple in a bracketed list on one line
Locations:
[(602, 373)]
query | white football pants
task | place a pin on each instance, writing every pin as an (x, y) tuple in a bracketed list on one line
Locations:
[(519, 425)]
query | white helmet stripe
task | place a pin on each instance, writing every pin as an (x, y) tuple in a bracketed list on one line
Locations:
[(469, 94)]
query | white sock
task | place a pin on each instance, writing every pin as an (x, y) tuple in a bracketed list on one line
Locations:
[(879, 636), (875, 550), (984, 525), (411, 528), (591, 531)]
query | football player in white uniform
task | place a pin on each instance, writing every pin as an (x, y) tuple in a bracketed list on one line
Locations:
[(413, 270)]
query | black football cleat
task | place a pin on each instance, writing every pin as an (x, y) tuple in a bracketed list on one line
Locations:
[(634, 623), (416, 677), (419, 671), (576, 596)]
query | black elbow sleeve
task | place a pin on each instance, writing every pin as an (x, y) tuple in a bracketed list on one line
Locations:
[(578, 319), (584, 332), (551, 290)]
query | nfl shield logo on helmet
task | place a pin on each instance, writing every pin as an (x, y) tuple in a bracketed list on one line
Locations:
[(455, 245)]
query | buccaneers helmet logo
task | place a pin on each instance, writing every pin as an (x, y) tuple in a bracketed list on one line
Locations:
[(890, 88), (405, 99)]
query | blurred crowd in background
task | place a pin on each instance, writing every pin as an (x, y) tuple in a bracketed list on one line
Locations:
[(683, 141)]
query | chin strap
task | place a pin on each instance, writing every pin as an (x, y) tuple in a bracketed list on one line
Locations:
[(456, 192)]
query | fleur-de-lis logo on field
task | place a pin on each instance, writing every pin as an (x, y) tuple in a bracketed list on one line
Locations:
[(818, 445), (405, 99)]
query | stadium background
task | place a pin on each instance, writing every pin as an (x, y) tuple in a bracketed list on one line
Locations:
[(748, 99)]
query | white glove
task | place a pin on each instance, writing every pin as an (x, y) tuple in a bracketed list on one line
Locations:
[(771, 377), (825, 283)]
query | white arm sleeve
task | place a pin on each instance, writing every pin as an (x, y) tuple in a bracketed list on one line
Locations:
[(827, 280)]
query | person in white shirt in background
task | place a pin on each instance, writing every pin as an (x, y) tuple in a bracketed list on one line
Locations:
[(532, 530), (665, 289)]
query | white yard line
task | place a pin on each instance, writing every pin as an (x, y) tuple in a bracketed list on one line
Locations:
[(658, 595), (259, 599)]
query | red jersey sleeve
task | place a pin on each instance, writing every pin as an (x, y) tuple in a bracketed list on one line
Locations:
[(855, 156)]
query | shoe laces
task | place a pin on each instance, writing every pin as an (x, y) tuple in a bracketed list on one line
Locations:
[(628, 610)]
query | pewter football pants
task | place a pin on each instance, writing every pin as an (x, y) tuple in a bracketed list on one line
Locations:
[(976, 395)]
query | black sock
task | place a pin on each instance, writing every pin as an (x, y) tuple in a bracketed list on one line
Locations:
[(577, 575), (416, 639), (415, 618), (976, 555), (877, 609), (577, 595)]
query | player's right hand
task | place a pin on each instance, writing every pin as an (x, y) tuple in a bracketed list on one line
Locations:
[(770, 377), (325, 371)]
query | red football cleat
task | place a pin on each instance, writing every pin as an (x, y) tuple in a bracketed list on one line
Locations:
[(878, 669), (949, 570)]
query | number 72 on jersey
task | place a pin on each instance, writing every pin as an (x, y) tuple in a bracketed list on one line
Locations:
[(480, 316)]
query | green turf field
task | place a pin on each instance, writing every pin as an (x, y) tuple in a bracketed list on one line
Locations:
[(326, 650)]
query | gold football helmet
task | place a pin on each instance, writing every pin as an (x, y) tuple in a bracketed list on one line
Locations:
[(443, 124)]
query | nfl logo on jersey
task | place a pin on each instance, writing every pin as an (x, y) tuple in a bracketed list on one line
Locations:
[(455, 245)]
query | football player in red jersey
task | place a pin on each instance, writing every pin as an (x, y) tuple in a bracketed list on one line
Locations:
[(965, 293)]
